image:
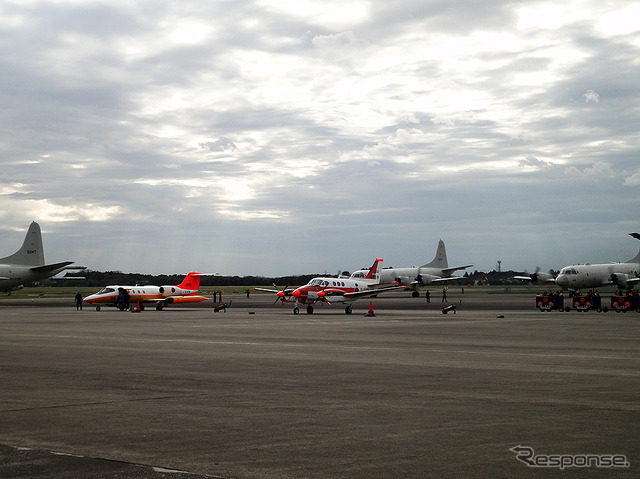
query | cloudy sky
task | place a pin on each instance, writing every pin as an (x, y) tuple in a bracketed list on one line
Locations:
[(271, 138)]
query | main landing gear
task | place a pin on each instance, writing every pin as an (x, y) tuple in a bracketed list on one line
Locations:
[(348, 309)]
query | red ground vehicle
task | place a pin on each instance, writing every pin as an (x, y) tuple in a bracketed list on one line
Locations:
[(587, 302), (550, 301), (622, 302)]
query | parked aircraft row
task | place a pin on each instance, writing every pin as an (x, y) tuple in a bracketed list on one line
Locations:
[(27, 265), (437, 271), (343, 289)]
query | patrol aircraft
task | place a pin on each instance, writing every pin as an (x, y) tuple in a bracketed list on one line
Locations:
[(437, 271), (342, 289), (624, 275), (119, 296), (27, 264)]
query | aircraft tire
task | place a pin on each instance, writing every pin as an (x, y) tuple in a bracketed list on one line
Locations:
[(309, 309), (98, 308), (415, 294), (296, 310), (348, 309)]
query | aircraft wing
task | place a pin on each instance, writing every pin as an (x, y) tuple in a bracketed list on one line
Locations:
[(445, 280), (267, 290), (181, 299), (51, 267), (286, 291), (371, 292)]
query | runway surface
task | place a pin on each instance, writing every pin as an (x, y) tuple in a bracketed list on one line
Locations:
[(258, 392)]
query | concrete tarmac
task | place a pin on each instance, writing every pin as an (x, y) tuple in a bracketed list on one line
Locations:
[(258, 392)]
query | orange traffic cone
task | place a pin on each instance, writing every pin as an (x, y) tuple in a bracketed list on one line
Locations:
[(370, 312)]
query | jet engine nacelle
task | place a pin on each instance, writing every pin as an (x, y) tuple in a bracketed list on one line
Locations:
[(169, 290), (620, 279)]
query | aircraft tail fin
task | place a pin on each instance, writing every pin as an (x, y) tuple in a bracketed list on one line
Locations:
[(635, 259), (31, 252), (374, 269), (191, 281), (440, 261)]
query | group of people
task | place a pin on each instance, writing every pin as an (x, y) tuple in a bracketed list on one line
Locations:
[(217, 296), (444, 295)]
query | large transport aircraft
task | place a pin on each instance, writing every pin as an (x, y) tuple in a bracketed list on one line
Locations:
[(121, 296), (437, 271), (624, 275), (27, 264), (342, 289)]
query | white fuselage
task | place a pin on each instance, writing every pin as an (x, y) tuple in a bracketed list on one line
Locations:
[(408, 276), (598, 275), (334, 288), (109, 294)]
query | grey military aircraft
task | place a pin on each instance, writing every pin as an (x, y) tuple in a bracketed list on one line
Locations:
[(27, 264)]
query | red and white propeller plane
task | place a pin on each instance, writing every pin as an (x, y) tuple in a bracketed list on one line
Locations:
[(340, 290), (119, 296)]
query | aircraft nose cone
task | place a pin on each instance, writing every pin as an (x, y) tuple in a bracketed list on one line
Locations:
[(562, 280)]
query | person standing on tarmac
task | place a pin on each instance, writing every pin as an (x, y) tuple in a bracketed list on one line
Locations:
[(444, 295), (78, 302)]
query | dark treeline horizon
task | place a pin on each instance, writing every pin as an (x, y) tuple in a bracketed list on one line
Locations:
[(103, 278)]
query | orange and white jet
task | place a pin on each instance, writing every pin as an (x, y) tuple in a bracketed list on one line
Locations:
[(122, 296), (340, 290)]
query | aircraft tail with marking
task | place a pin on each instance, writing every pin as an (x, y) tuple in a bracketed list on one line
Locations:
[(374, 269), (440, 261), (31, 252), (191, 281)]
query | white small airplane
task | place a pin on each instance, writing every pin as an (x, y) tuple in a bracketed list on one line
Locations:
[(27, 264), (624, 275), (342, 289), (437, 271), (122, 296)]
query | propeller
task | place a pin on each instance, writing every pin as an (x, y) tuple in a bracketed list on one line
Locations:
[(281, 295), (322, 295)]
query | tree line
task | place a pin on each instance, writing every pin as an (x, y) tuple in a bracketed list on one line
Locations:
[(103, 278)]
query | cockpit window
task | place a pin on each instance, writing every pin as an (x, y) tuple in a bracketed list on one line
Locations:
[(106, 290)]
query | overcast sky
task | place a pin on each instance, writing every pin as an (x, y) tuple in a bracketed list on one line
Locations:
[(271, 138)]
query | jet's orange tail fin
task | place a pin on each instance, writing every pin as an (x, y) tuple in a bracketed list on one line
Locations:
[(191, 281)]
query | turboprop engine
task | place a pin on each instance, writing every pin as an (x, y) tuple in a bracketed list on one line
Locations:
[(424, 278), (620, 279)]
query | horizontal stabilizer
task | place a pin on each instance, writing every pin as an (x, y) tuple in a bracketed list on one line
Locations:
[(51, 267), (456, 268)]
